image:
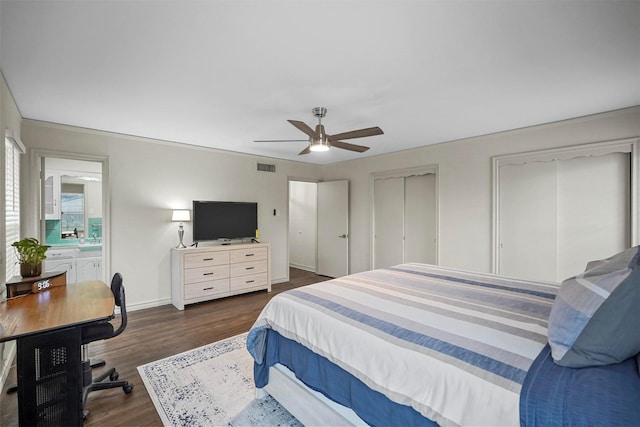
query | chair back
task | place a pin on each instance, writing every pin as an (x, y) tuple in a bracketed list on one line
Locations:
[(118, 294)]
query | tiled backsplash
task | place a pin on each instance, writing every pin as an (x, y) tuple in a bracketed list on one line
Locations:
[(52, 232), (53, 236), (95, 226)]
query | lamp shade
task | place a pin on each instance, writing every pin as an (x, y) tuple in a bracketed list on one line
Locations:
[(181, 215)]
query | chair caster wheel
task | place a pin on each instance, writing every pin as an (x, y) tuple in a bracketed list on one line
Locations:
[(127, 388), (114, 376)]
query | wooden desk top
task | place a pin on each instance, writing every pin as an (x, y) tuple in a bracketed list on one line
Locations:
[(56, 308)]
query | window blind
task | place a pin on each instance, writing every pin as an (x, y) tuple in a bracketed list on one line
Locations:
[(13, 149)]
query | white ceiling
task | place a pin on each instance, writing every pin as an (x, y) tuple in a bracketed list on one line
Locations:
[(223, 73)]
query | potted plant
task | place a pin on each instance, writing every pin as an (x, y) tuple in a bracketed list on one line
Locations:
[(30, 255)]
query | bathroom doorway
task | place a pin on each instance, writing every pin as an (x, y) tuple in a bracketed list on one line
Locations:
[(73, 213)]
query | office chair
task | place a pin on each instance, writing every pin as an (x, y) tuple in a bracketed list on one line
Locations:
[(101, 331)]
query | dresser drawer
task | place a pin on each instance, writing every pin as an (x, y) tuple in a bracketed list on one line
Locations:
[(250, 267), (208, 272), (203, 289), (248, 254), (250, 281), (206, 259), (203, 274)]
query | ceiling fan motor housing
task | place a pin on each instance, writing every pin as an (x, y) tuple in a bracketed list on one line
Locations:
[(319, 111)]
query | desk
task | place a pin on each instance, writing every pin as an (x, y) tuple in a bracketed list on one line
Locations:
[(47, 328)]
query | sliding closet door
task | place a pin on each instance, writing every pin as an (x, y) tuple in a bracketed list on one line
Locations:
[(593, 210), (528, 225), (388, 222), (557, 214), (405, 213), (420, 219)]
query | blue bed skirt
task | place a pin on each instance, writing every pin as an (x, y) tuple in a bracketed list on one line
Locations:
[(551, 395), (322, 375), (596, 396)]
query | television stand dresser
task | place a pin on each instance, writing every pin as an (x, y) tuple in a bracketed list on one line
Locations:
[(210, 272)]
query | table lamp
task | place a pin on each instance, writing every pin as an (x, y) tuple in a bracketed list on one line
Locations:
[(181, 216)]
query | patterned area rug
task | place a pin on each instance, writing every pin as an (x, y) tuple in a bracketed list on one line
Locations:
[(211, 386)]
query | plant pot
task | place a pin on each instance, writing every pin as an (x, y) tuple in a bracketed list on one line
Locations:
[(31, 269)]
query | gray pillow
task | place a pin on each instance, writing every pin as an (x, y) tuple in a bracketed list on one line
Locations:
[(594, 264), (594, 319)]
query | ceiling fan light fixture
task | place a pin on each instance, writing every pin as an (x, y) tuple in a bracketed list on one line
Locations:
[(319, 145), (320, 141)]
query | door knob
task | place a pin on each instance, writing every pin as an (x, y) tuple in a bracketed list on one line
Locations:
[(343, 236)]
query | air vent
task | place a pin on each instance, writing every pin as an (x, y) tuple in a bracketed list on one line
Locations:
[(263, 167)]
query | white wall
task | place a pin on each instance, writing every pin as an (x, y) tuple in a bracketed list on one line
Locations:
[(150, 178), (465, 187), (303, 224)]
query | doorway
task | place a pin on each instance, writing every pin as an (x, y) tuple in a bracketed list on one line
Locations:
[(72, 197), (303, 225), (72, 201), (319, 227)]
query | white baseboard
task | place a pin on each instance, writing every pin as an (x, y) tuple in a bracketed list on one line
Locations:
[(148, 304), (303, 267)]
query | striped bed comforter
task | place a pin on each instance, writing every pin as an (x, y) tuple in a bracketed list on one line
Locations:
[(454, 345)]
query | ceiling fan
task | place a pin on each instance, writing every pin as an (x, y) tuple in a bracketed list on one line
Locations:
[(319, 140)]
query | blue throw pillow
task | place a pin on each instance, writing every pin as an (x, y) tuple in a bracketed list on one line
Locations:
[(595, 319)]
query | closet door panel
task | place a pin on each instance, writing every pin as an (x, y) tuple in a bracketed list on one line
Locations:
[(388, 222), (420, 219), (593, 210), (527, 221)]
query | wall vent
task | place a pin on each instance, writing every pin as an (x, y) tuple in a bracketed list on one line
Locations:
[(263, 167)]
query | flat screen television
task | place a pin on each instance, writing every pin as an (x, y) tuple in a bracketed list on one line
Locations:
[(224, 220)]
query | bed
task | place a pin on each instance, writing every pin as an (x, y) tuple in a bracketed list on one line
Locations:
[(418, 344)]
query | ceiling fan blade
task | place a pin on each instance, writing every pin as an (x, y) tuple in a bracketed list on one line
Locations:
[(302, 126), (280, 140), (356, 134), (305, 151), (347, 146)]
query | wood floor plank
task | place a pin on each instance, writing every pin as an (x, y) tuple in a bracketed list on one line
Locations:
[(156, 333)]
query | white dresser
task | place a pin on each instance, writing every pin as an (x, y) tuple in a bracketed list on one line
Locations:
[(210, 272)]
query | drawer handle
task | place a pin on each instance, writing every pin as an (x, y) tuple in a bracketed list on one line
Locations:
[(249, 268), (249, 281), (207, 259), (207, 289), (207, 274), (249, 254)]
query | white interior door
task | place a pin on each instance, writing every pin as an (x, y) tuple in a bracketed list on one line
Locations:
[(593, 210), (528, 221), (420, 219), (333, 228), (388, 198)]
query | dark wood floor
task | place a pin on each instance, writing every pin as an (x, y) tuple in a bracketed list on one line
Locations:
[(156, 333)]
